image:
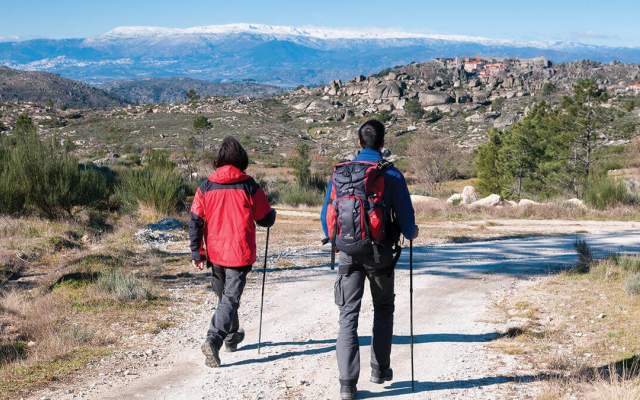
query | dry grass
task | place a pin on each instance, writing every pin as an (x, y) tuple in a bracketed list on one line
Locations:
[(48, 323), (613, 389), (441, 211), (82, 301), (33, 236), (575, 325)]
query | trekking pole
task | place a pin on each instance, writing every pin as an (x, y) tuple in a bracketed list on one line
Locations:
[(264, 278), (413, 381)]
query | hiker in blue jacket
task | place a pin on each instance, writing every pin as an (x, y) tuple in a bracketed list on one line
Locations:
[(353, 270)]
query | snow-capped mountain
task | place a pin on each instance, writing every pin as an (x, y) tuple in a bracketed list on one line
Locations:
[(281, 55)]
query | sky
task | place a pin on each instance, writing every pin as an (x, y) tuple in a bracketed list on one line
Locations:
[(604, 22)]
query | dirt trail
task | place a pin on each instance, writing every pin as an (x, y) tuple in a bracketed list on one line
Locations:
[(454, 284)]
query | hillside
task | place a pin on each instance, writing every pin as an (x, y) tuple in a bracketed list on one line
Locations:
[(280, 55), (459, 100), (43, 88), (173, 90)]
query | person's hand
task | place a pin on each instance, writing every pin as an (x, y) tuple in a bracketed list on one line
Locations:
[(415, 235), (198, 264)]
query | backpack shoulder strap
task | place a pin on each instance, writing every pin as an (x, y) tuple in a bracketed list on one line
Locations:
[(384, 164)]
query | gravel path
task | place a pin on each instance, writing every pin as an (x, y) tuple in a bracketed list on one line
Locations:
[(454, 285)]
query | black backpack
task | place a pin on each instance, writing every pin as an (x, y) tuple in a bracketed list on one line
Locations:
[(359, 222)]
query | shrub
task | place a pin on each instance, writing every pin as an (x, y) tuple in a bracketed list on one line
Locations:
[(605, 192), (157, 185), (548, 89), (301, 164), (124, 287), (629, 263), (414, 109), (42, 176), (296, 195), (585, 256), (632, 285), (434, 161)]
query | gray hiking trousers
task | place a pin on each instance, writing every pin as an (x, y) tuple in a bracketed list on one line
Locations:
[(228, 284), (349, 288)]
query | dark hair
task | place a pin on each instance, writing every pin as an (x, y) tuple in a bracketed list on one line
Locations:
[(371, 134), (231, 152)]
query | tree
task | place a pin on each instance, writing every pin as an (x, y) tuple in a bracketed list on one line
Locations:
[(552, 151), (414, 109), (523, 152), (488, 168), (585, 122), (189, 155), (548, 89), (192, 96), (301, 165), (201, 124), (434, 161)]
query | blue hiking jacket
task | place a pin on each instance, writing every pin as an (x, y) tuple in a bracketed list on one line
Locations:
[(396, 195)]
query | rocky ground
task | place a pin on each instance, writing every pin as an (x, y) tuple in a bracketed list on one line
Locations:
[(458, 99), (456, 285)]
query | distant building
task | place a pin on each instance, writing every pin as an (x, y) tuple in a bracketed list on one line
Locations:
[(492, 69), (473, 64), (634, 87)]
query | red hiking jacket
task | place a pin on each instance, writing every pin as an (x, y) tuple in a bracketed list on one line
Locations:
[(223, 216)]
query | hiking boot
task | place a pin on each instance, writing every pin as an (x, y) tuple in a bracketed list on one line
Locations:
[(211, 353), (380, 377), (348, 392), (231, 345)]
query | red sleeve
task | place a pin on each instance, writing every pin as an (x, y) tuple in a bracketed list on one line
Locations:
[(261, 207), (197, 207), (196, 227)]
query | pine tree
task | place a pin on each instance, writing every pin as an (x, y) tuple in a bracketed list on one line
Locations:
[(201, 124)]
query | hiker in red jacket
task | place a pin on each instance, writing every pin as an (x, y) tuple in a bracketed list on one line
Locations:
[(222, 231)]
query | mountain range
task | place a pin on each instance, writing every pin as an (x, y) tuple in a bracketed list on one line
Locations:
[(47, 88), (276, 55)]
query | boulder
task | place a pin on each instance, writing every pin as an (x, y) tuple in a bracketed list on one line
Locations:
[(417, 199), (469, 195), (577, 203), (386, 90), (427, 99), (492, 200), (385, 107), (481, 98), (301, 106), (463, 98), (455, 199), (505, 120), (319, 105), (527, 203), (476, 118)]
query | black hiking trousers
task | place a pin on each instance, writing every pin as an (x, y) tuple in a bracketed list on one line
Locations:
[(228, 285), (349, 289)]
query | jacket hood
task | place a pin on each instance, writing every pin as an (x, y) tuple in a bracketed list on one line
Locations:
[(228, 174)]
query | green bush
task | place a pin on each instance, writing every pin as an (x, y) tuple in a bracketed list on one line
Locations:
[(157, 185), (632, 285), (628, 263), (124, 287), (41, 176), (414, 109), (605, 192), (295, 195), (585, 257)]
